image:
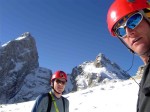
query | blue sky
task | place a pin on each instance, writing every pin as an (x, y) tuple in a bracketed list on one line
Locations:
[(67, 32)]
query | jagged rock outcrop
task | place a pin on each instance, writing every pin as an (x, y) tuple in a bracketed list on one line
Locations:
[(139, 72), (92, 73), (34, 84), (17, 59)]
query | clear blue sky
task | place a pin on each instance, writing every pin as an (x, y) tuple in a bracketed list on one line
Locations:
[(67, 32)]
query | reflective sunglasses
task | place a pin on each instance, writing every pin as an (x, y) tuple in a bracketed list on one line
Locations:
[(131, 22), (60, 82)]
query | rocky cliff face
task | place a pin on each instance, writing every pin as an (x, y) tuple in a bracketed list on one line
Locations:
[(34, 84), (17, 59)]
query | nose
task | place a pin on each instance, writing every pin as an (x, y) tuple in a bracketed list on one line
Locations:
[(130, 32)]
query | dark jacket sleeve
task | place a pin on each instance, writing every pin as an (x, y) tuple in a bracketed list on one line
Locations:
[(143, 103)]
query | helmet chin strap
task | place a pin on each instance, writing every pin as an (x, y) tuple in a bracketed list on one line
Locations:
[(127, 46), (56, 91), (52, 86)]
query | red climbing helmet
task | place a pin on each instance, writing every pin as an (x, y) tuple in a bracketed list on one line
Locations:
[(59, 74), (121, 8)]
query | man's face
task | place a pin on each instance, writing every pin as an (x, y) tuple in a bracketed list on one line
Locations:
[(59, 84), (134, 30), (138, 39)]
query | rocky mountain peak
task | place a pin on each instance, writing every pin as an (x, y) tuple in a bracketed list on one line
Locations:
[(101, 61), (26, 34), (92, 73), (17, 59)]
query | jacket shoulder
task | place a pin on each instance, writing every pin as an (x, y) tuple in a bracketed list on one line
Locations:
[(66, 100), (40, 103), (40, 97)]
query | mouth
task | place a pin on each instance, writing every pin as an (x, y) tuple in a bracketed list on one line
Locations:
[(135, 40), (60, 88)]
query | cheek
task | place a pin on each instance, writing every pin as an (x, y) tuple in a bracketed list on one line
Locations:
[(144, 27), (145, 31), (55, 84), (127, 41)]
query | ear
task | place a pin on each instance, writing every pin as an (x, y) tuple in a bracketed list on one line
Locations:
[(52, 83)]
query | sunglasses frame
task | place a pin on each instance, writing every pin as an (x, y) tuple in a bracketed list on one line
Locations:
[(125, 24)]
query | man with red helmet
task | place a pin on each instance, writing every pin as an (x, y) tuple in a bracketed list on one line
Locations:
[(129, 20), (53, 101), (58, 82)]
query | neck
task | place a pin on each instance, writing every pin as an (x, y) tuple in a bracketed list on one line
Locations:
[(58, 95), (145, 57)]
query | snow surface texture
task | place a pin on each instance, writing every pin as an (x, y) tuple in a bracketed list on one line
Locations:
[(114, 96)]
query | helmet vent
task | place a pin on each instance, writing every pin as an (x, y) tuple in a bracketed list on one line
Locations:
[(61, 75), (131, 0)]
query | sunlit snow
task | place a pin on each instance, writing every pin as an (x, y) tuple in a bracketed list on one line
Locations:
[(114, 96)]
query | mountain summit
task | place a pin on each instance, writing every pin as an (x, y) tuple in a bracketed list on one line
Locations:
[(92, 73)]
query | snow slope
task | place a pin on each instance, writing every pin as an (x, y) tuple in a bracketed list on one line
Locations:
[(114, 96)]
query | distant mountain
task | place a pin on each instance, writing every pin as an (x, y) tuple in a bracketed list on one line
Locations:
[(92, 73), (21, 78)]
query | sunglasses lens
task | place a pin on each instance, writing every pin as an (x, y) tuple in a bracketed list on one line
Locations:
[(121, 32), (131, 23), (60, 82), (134, 20)]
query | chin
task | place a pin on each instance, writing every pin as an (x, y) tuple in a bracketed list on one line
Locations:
[(141, 49), (60, 91)]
